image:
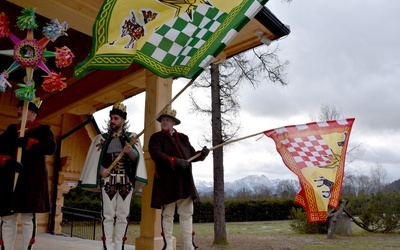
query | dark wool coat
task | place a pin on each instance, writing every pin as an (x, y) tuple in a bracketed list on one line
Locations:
[(171, 184), (31, 193)]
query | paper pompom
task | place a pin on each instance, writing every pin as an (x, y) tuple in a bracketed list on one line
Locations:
[(3, 81), (53, 83), (64, 57), (55, 29), (25, 92), (4, 30), (27, 19)]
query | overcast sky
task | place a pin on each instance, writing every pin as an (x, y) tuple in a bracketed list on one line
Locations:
[(342, 53)]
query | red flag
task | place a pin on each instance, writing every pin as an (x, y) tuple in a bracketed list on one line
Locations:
[(315, 152)]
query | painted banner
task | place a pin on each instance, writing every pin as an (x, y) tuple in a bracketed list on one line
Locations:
[(171, 38), (315, 152)]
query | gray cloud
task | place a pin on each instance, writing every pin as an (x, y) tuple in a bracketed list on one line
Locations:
[(341, 53)]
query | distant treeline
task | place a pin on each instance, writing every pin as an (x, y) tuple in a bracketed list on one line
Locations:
[(364, 203), (235, 209)]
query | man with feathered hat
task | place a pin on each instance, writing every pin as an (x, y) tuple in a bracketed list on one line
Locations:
[(173, 186), (117, 182)]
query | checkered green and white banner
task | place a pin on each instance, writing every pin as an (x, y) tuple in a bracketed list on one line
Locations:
[(182, 46)]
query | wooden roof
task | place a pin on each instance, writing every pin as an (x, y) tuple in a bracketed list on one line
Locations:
[(100, 88)]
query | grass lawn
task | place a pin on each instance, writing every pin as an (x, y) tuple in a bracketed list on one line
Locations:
[(277, 235)]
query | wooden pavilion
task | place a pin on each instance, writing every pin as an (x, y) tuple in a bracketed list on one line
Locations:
[(69, 112)]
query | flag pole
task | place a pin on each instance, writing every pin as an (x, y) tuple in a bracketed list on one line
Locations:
[(134, 139), (225, 143), (21, 134)]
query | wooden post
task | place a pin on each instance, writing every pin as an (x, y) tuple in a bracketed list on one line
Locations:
[(158, 93)]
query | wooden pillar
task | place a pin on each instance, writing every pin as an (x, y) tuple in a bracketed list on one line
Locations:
[(158, 93)]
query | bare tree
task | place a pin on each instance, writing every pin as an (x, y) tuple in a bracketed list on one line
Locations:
[(349, 185), (225, 81), (327, 112), (243, 194), (218, 160), (365, 183), (287, 188), (378, 178), (262, 192)]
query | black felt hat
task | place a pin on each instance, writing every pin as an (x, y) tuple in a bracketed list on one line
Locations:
[(171, 114), (119, 109), (33, 105)]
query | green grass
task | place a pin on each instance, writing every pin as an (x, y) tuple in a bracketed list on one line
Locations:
[(253, 228), (278, 235)]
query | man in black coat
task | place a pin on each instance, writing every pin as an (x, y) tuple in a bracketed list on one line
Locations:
[(31, 194), (173, 185)]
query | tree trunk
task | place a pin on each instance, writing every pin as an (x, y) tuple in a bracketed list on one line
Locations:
[(218, 160)]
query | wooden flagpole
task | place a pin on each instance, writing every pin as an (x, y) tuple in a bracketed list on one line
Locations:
[(28, 80), (225, 143), (21, 134), (154, 119)]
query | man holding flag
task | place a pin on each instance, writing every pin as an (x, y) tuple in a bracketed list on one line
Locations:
[(173, 186)]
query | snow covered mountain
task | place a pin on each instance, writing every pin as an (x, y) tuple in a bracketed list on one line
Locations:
[(250, 183)]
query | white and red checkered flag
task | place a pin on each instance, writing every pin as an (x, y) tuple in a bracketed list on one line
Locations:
[(315, 152)]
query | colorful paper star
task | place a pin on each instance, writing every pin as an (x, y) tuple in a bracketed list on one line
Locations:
[(30, 54)]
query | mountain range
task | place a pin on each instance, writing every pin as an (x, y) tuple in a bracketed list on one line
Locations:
[(254, 183), (250, 183)]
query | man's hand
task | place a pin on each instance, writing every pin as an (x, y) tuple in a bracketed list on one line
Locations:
[(128, 147), (181, 163), (204, 152), (105, 173)]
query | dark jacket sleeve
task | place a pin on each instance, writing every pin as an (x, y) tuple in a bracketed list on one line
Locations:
[(158, 153), (46, 144)]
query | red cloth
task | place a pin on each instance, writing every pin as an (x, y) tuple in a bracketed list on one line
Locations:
[(4, 159), (31, 141)]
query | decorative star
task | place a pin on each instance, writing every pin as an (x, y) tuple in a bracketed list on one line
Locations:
[(30, 54), (184, 5)]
